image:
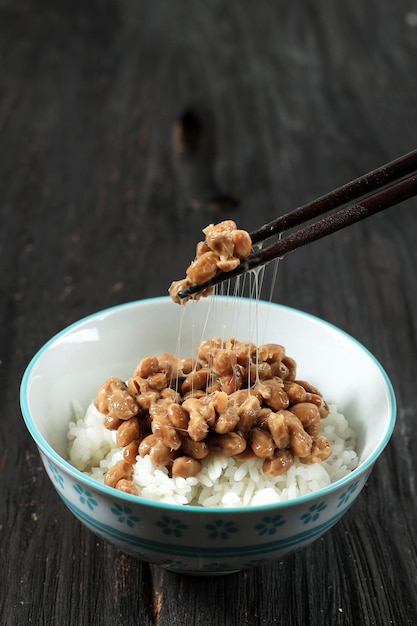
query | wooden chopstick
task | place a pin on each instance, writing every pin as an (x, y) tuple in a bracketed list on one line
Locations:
[(357, 188), (382, 188)]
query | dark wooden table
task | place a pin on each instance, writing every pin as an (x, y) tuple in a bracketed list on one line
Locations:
[(279, 102)]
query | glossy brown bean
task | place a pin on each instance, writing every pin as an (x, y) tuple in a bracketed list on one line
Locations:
[(245, 351), (158, 381), (273, 393), (196, 380), (295, 392), (242, 243), (308, 387), (229, 444), (195, 449), (271, 353), (277, 424), (121, 469), (247, 454), (146, 399), (260, 371), (186, 467), (163, 429), (203, 267), (234, 381), (160, 454), (113, 398), (227, 421), (128, 431), (281, 370), (169, 364), (112, 423), (261, 443), (127, 486), (248, 412), (224, 362), (320, 451), (220, 239), (178, 416), (319, 401), (208, 349), (146, 367), (278, 464), (202, 415), (189, 365), (291, 365), (131, 451), (300, 441), (170, 394), (146, 444), (309, 415), (201, 248), (220, 401)]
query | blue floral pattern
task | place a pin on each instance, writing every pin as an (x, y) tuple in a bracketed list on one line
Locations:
[(223, 548), (269, 525), (86, 497), (345, 496), (124, 514), (313, 513), (56, 475), (171, 526), (221, 529)]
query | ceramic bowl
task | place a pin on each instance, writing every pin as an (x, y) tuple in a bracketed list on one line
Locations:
[(191, 539)]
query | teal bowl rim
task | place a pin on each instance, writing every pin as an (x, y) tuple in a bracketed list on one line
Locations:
[(44, 446)]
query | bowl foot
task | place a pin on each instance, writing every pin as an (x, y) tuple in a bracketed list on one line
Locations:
[(201, 573)]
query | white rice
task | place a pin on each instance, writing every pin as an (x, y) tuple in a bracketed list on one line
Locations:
[(222, 481)]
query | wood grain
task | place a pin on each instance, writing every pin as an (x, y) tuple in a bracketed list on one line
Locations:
[(95, 210)]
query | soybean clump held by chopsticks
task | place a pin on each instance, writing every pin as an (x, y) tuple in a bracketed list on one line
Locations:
[(227, 250)]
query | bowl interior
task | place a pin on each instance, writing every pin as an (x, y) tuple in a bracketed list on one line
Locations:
[(72, 365)]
